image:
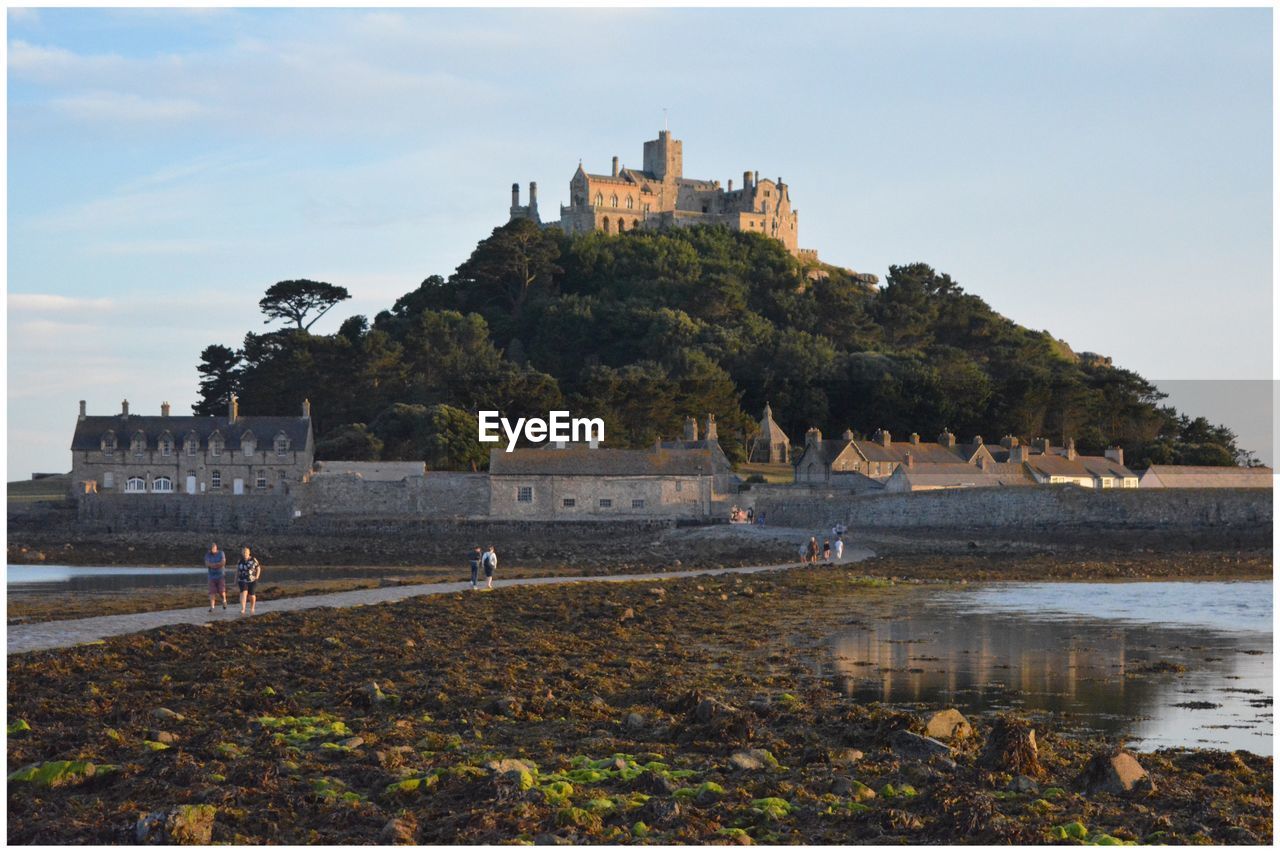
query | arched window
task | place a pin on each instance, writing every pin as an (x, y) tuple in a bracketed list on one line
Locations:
[(630, 203), (635, 223), (622, 225), (139, 444), (135, 485), (108, 443), (166, 445), (162, 485), (191, 443), (282, 444), (606, 225), (248, 444), (215, 479), (764, 207), (613, 200), (599, 200)]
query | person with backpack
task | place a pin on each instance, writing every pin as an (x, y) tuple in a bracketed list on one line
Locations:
[(248, 570), (490, 566), (214, 562), (475, 566)]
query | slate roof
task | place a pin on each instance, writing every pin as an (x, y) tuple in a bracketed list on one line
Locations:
[(601, 462), (947, 475), (925, 451), (89, 432), (1082, 467), (1208, 476), (1101, 466)]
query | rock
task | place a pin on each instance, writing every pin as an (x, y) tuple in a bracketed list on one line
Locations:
[(1114, 773), (659, 811), (709, 710), (507, 706), (1011, 748), (400, 830), (634, 721), (352, 742), (1024, 785), (168, 738), (911, 745), (846, 756), (185, 824), (649, 782), (753, 759), (166, 714), (57, 774), (374, 693), (598, 703), (948, 725), (627, 614)]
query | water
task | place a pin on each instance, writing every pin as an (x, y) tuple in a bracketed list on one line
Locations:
[(1085, 651), (56, 579)]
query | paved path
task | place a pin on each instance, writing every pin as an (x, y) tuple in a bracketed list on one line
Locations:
[(71, 632)]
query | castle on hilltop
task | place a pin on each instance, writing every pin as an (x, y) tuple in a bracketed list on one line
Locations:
[(660, 196)]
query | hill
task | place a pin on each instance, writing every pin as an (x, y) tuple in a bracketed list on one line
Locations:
[(644, 328)]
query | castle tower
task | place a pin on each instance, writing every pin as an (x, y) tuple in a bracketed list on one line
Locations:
[(664, 157)]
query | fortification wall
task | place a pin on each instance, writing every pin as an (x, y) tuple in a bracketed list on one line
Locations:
[(1040, 508), (439, 494), (119, 513)]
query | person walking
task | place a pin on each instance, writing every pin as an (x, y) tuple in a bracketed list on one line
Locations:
[(475, 558), (812, 550), (838, 547), (248, 570), (826, 550), (490, 566), (215, 561)]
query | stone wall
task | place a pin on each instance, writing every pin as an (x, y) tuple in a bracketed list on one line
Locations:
[(1040, 508), (118, 513), (438, 494)]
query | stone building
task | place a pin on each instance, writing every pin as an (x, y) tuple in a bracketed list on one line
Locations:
[(658, 195), (726, 480), (770, 445), (1063, 465), (579, 482), (189, 454), (827, 461), (1206, 477)]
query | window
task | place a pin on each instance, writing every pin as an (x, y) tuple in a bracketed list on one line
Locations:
[(248, 444), (570, 502), (109, 444), (138, 445), (524, 494), (766, 193), (599, 200), (704, 208), (646, 207), (679, 485), (282, 444), (283, 477), (135, 485), (622, 225), (109, 480), (635, 223), (613, 200), (215, 479), (162, 485), (261, 481), (630, 202), (606, 225), (606, 503), (215, 445), (191, 443), (637, 503), (166, 445)]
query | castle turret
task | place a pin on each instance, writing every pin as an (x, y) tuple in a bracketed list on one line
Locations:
[(615, 165), (533, 200), (664, 156)]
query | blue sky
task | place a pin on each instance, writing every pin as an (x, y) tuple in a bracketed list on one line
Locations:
[(1104, 174)]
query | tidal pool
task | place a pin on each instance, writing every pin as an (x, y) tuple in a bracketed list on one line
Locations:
[(56, 579), (1155, 664)]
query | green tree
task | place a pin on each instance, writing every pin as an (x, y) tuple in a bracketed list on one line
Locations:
[(351, 442), (219, 371), (294, 300)]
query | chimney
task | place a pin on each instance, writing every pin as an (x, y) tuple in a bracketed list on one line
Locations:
[(812, 436), (164, 409), (755, 177), (1115, 454), (1009, 441), (233, 409), (82, 410), (533, 199), (1017, 454), (977, 439), (515, 195), (731, 185), (711, 428), (1043, 445), (746, 180), (306, 409), (1071, 448), (884, 438), (915, 438), (909, 460), (124, 408), (615, 167), (847, 435), (946, 439), (690, 429)]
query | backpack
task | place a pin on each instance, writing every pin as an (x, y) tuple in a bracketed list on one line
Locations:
[(490, 560)]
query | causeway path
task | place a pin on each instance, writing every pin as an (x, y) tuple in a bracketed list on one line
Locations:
[(62, 634)]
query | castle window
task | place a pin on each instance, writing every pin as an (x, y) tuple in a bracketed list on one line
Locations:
[(569, 503), (764, 206), (162, 485), (704, 208), (282, 476), (637, 503), (524, 494), (635, 223), (630, 203), (215, 479), (646, 207), (261, 481), (138, 445), (215, 445), (613, 200), (108, 444), (135, 486), (606, 225), (606, 503), (248, 444), (282, 444), (622, 225), (599, 200)]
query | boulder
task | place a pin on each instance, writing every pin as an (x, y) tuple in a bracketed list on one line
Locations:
[(911, 745), (1011, 748), (1114, 773), (399, 830), (510, 765), (166, 714), (352, 742), (649, 782), (168, 738), (1024, 785), (507, 706), (948, 725), (634, 721), (186, 824), (753, 759)]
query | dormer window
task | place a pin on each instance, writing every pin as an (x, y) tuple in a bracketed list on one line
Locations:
[(215, 445), (248, 444), (139, 445), (108, 444), (166, 445), (281, 444), (191, 444)]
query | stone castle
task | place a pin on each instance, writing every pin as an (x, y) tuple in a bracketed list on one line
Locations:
[(660, 196)]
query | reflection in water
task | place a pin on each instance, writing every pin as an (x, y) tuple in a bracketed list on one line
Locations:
[(1110, 676)]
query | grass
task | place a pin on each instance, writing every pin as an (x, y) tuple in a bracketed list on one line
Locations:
[(45, 489), (772, 473)]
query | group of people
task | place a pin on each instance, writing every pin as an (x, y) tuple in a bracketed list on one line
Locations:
[(248, 571), (810, 551), (486, 560)]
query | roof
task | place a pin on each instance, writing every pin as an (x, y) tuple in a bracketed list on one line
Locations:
[(1101, 466), (769, 427), (1209, 476), (1053, 465), (924, 451), (89, 432), (372, 471), (1010, 473), (946, 475), (601, 462)]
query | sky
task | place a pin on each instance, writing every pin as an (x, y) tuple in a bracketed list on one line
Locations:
[(1103, 174)]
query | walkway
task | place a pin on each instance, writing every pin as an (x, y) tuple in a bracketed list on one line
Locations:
[(71, 632)]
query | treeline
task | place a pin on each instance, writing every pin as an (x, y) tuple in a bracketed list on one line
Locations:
[(645, 328)]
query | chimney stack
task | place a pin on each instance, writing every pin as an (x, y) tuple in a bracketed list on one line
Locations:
[(690, 429), (946, 438), (124, 408), (915, 438), (82, 415), (746, 180), (884, 438), (533, 200), (812, 436), (977, 439), (1017, 454), (731, 185), (910, 460), (615, 166), (847, 435), (233, 409), (755, 177), (1009, 441), (712, 435), (1044, 445), (306, 409), (515, 195), (1071, 448), (1115, 454), (164, 409)]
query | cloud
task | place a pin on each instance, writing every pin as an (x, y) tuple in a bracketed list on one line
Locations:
[(126, 108), (48, 303)]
